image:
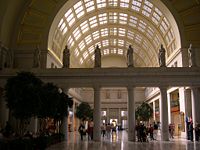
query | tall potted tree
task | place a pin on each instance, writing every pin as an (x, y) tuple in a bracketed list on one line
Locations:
[(53, 104), (22, 94), (84, 111), (48, 104), (64, 102), (144, 112)]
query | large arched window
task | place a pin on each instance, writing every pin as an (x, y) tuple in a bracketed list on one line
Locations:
[(113, 25)]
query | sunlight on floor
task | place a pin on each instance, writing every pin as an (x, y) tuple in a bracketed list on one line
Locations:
[(118, 141)]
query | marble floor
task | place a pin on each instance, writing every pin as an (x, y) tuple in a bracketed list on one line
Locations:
[(118, 141)]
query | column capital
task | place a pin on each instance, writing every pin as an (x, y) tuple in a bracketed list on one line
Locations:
[(194, 87), (187, 88), (96, 87), (163, 88), (130, 87)]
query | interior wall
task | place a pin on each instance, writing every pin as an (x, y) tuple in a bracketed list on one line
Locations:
[(52, 60), (176, 60), (9, 15), (113, 61), (88, 96)]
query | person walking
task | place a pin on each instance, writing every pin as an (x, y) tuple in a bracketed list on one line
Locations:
[(81, 130), (171, 130), (108, 130), (103, 129), (90, 130), (155, 130), (151, 132), (191, 131), (197, 132)]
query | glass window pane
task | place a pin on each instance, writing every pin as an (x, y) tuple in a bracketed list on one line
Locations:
[(124, 3), (113, 2), (113, 17), (91, 49), (101, 3)]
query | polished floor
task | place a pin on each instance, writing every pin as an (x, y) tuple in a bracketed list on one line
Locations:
[(118, 141)]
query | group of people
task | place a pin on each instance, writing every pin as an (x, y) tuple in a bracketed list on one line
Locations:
[(83, 131), (106, 130), (190, 131), (197, 132), (143, 132)]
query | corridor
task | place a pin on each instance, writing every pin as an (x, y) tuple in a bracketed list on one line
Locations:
[(118, 141)]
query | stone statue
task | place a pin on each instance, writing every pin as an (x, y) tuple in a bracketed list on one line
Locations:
[(11, 58), (97, 57), (66, 57), (36, 58), (1, 55), (130, 56), (8, 58), (5, 57), (161, 57), (191, 55)]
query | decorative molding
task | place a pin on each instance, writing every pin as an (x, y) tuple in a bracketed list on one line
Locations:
[(116, 77)]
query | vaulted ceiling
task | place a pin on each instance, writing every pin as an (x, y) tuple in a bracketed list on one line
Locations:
[(112, 24)]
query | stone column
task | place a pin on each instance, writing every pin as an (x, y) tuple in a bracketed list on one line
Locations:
[(97, 114), (73, 117), (154, 111), (131, 114), (169, 107), (120, 120), (164, 114), (188, 109), (107, 116), (195, 106), (188, 103), (64, 127)]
